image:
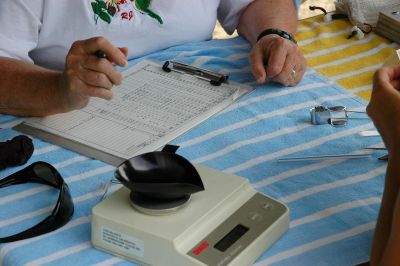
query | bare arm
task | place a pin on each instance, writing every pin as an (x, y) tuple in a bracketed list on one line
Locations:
[(386, 244), (273, 57), (27, 89), (264, 14), (30, 90), (384, 109)]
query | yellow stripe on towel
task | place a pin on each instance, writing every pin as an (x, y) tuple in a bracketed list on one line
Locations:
[(355, 64), (350, 50), (308, 32), (349, 62)]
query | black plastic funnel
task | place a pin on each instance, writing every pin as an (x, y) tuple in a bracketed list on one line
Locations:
[(159, 175)]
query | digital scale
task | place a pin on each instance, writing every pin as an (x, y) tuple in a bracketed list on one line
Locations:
[(227, 223)]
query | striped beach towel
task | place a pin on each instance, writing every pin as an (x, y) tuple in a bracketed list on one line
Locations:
[(333, 204), (349, 62)]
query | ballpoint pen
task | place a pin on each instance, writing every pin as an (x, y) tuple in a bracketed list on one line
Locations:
[(214, 77), (101, 54), (384, 157), (341, 108)]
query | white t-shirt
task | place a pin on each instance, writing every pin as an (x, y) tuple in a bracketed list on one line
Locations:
[(42, 31)]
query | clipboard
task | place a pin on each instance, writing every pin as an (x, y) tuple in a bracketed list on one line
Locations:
[(155, 104)]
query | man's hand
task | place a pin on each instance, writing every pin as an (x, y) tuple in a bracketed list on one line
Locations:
[(86, 75), (384, 107), (277, 59)]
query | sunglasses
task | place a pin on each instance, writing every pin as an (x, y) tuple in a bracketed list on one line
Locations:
[(42, 173)]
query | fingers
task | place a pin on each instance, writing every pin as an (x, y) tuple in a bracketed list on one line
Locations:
[(86, 75), (393, 72), (277, 60), (291, 71), (257, 64), (79, 90), (259, 58), (286, 72), (396, 84), (99, 92), (385, 91), (100, 70), (285, 63), (298, 70), (384, 108), (114, 54), (124, 50), (387, 78), (97, 79)]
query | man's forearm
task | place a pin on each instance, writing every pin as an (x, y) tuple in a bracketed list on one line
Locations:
[(264, 14), (27, 89)]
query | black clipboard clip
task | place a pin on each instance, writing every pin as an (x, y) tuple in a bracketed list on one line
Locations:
[(214, 78)]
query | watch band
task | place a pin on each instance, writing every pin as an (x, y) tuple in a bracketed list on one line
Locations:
[(282, 33)]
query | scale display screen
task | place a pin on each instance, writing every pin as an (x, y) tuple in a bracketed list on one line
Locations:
[(231, 242), (230, 238)]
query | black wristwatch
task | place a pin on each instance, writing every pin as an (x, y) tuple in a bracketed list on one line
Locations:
[(282, 33)]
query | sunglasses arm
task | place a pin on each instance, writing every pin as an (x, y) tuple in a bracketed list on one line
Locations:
[(13, 179)]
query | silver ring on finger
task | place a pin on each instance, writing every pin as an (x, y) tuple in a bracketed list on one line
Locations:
[(293, 74)]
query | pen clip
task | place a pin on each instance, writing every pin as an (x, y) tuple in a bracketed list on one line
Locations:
[(215, 78)]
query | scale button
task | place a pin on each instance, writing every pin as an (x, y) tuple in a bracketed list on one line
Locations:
[(267, 205), (254, 216), (200, 248)]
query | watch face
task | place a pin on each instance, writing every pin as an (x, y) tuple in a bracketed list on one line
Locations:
[(289, 36), (279, 32), (286, 35)]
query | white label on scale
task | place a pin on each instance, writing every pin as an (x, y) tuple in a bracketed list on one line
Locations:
[(124, 243)]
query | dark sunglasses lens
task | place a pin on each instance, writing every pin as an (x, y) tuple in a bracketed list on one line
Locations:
[(45, 172)]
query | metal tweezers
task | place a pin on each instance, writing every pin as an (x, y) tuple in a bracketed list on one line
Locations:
[(382, 158), (324, 157)]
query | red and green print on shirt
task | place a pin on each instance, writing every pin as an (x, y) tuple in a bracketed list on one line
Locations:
[(110, 9)]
